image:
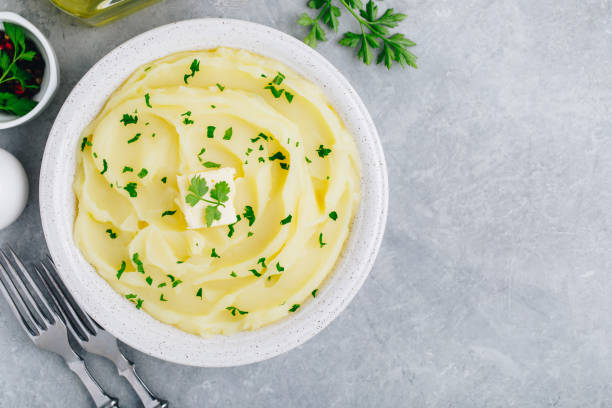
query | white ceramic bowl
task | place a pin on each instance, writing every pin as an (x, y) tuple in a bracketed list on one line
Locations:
[(112, 311), (50, 80)]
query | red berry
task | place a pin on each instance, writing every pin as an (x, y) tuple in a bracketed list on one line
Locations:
[(18, 89)]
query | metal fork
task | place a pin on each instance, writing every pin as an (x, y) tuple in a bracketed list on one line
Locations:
[(92, 337), (41, 324)]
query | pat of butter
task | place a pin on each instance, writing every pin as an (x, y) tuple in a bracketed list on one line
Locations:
[(196, 215)]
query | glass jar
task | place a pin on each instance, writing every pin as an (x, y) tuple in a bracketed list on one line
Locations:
[(99, 12)]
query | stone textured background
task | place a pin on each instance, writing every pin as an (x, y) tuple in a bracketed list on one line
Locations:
[(493, 285)]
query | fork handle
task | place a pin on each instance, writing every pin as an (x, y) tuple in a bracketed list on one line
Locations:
[(126, 369), (100, 398)]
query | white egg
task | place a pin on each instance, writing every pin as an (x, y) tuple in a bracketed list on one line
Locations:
[(13, 189)]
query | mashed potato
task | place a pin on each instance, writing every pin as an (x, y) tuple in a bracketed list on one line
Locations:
[(296, 182)]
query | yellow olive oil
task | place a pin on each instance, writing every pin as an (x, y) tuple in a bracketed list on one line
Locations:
[(99, 12)]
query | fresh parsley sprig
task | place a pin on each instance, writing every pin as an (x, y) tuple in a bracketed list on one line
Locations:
[(219, 194), (374, 31)]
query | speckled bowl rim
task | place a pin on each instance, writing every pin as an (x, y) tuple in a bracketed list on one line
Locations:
[(117, 315)]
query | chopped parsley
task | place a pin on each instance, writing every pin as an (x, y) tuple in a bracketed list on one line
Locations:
[(321, 243), (213, 106), (333, 215), (211, 165), (279, 267), (261, 135), (128, 119), (138, 262), (249, 234), (169, 212), (284, 166), (261, 160), (130, 296), (199, 293), (234, 309), (249, 214), (276, 92), (104, 166), (214, 254), (187, 118), (127, 169), (277, 156), (228, 134), (176, 282), (254, 272), (314, 293), (147, 68), (149, 280), (221, 87), (278, 79), (131, 189), (231, 226), (162, 298), (294, 308), (210, 132), (262, 261), (261, 147), (139, 303), (161, 285), (249, 150), (147, 96), (233, 274), (111, 234), (164, 179), (322, 151), (85, 143), (135, 138), (289, 96), (121, 269), (286, 220), (194, 67), (143, 173)]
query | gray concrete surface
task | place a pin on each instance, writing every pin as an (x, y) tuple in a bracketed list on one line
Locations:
[(493, 287)]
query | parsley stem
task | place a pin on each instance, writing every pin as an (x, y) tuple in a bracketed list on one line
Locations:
[(8, 69), (212, 202), (363, 22)]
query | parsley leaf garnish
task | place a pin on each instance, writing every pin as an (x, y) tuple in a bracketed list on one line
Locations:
[(279, 267), (322, 151), (128, 119), (164, 179), (187, 118), (228, 134), (333, 215), (277, 156), (135, 138), (284, 166), (149, 280), (234, 309), (199, 293), (143, 173), (221, 87), (138, 262), (262, 261), (162, 298), (286, 220), (254, 272), (211, 165), (194, 67), (314, 293), (111, 233), (249, 214), (131, 189), (121, 269), (294, 308), (231, 226), (85, 143), (147, 96), (104, 166), (214, 254), (233, 274), (321, 243), (127, 169), (169, 212), (219, 193), (210, 132)]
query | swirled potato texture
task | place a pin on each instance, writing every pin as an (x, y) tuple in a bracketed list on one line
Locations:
[(297, 188)]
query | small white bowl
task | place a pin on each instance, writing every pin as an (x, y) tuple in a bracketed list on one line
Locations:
[(111, 310), (50, 80)]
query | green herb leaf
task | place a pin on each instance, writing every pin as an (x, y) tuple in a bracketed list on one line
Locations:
[(220, 192), (228, 134), (104, 166), (149, 280), (333, 215), (164, 179), (322, 151), (254, 272), (129, 119), (221, 87), (286, 220), (85, 143), (135, 138), (147, 100), (233, 274), (210, 132), (121, 269), (194, 67), (249, 214), (199, 293), (230, 233), (211, 165), (162, 298), (214, 254), (169, 212), (176, 282), (127, 169), (131, 189), (314, 293), (234, 309), (111, 234), (294, 308), (212, 214), (143, 173), (277, 156), (138, 262), (321, 243), (284, 166), (279, 267), (262, 261)]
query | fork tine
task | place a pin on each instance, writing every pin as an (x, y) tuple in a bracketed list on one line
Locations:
[(24, 294), (14, 301), (25, 274), (72, 323), (89, 324)]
